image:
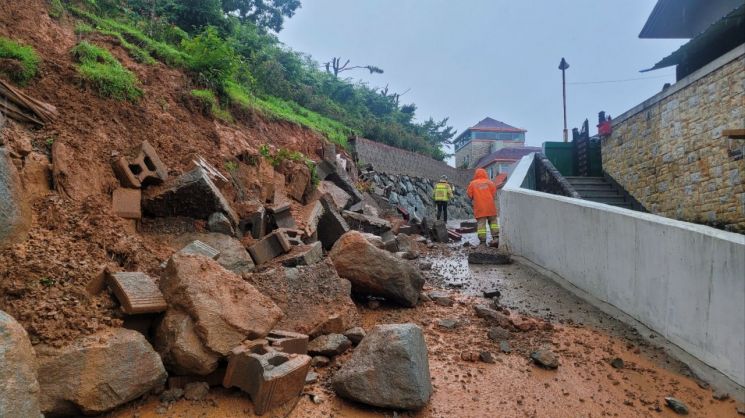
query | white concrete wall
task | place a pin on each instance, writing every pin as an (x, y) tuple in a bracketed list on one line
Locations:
[(685, 281)]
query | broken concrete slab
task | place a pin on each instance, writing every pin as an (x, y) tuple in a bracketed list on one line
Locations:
[(270, 377), (389, 369), (183, 352), (343, 183), (125, 203), (142, 168), (304, 255), (366, 223), (192, 194), (137, 292), (334, 324), (270, 247), (226, 309), (288, 342), (331, 226), (196, 247), (376, 272), (312, 218), (97, 373), (220, 223), (255, 223)]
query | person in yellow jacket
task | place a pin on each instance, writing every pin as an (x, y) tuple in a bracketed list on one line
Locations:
[(443, 192)]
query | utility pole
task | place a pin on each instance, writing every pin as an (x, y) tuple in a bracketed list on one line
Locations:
[(563, 65)]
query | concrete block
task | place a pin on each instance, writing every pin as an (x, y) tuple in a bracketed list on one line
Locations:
[(366, 223), (344, 184), (192, 194), (255, 223), (282, 216), (137, 293), (142, 168), (270, 247), (331, 226), (304, 255), (313, 218), (288, 341), (334, 324), (270, 377), (125, 203), (199, 248), (294, 236)]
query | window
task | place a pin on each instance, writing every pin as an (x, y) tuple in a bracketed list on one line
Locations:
[(491, 172)]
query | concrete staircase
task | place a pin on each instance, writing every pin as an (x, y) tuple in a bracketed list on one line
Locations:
[(597, 189)]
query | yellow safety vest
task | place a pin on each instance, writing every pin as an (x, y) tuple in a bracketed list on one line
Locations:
[(443, 192)]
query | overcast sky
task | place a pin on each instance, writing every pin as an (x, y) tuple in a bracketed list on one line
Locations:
[(469, 59)]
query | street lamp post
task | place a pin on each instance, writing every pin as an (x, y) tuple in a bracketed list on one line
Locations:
[(563, 65)]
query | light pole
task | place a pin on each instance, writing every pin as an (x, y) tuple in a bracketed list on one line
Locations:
[(563, 65)]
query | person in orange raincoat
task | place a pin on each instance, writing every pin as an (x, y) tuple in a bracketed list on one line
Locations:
[(482, 193)]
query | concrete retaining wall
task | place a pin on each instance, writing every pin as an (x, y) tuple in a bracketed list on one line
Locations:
[(391, 160), (684, 281)]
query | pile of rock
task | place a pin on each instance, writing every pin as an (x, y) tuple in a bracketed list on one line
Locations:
[(414, 195)]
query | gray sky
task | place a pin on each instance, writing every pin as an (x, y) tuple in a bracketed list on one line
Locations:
[(470, 59)]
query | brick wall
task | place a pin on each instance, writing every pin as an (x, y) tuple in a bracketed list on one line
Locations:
[(391, 160), (669, 152)]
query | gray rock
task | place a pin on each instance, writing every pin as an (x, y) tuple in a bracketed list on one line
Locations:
[(545, 358), (97, 373), (320, 361), (676, 405), (441, 298), (617, 363), (19, 389), (355, 334), (14, 216), (171, 395), (311, 377), (389, 369), (329, 345), (196, 391), (220, 223), (486, 357), (504, 346), (448, 323), (498, 334), (492, 315), (233, 255)]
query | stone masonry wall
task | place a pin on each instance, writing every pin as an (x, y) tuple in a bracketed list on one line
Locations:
[(391, 160), (669, 153), (474, 150)]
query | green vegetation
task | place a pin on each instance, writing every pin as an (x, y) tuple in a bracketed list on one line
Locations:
[(228, 48), (211, 105), (56, 9), (26, 61), (105, 73)]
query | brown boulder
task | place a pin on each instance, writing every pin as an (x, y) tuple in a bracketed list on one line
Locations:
[(226, 310), (69, 179), (98, 373), (19, 390), (376, 272), (36, 176), (309, 296), (180, 347), (15, 218)]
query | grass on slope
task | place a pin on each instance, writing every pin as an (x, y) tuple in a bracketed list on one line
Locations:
[(25, 56), (276, 108), (208, 99), (107, 75)]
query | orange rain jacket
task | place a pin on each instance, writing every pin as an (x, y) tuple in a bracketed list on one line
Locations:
[(482, 192)]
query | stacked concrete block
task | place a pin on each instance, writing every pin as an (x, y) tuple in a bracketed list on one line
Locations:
[(269, 376), (366, 223), (125, 203), (143, 169), (282, 216), (288, 341)]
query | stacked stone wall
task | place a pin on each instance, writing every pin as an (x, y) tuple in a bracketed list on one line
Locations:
[(390, 160), (669, 153)]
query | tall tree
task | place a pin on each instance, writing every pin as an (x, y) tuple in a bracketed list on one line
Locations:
[(267, 14)]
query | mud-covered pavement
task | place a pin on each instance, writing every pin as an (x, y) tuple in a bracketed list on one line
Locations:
[(585, 340)]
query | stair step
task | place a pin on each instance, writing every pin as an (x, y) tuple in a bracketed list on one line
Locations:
[(608, 200), (599, 193), (593, 187)]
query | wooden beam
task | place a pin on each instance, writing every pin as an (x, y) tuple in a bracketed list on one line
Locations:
[(734, 133)]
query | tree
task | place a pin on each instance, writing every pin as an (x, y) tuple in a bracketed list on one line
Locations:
[(437, 134), (266, 14), (335, 67)]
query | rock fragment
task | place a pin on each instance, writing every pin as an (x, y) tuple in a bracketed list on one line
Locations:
[(196, 391), (19, 389), (329, 345), (545, 358), (355, 334), (676, 405)]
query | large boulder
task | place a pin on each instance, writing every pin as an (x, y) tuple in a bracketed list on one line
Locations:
[(308, 295), (180, 347), (97, 373), (226, 310), (377, 272), (14, 213), (19, 390), (338, 196), (389, 369)]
